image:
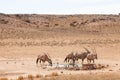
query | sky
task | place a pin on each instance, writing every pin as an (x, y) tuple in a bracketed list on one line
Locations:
[(60, 6)]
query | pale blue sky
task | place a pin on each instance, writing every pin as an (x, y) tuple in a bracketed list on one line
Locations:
[(60, 6)]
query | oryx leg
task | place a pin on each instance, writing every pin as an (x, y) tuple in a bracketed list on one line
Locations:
[(93, 61), (68, 60), (82, 61), (88, 60)]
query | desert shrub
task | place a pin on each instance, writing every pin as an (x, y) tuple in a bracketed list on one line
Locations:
[(56, 24), (52, 74), (20, 78), (94, 20), (74, 24), (3, 21), (38, 76), (110, 70), (30, 77), (28, 21), (46, 24), (18, 16)]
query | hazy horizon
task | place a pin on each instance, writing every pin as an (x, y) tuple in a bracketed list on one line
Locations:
[(60, 7)]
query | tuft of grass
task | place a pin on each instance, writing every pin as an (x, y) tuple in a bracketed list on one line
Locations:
[(97, 76), (61, 72), (3, 78), (38, 76), (110, 70), (52, 74), (30, 77), (20, 78)]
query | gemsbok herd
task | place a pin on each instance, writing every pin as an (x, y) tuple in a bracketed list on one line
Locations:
[(90, 56)]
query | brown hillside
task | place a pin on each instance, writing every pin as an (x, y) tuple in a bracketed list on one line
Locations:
[(37, 26)]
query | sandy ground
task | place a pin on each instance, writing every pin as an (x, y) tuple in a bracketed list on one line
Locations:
[(24, 37), (16, 61)]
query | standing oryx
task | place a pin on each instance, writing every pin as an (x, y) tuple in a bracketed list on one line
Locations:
[(69, 57), (92, 56), (44, 58), (82, 55)]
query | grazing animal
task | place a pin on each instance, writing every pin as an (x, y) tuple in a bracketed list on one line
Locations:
[(43, 58), (82, 55), (69, 57), (91, 57)]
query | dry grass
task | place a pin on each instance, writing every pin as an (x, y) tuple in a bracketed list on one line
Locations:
[(20, 78), (52, 74), (30, 30), (30, 77), (85, 76), (91, 76), (38, 76), (44, 26), (3, 78), (63, 41)]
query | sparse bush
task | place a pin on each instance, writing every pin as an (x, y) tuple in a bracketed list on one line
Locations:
[(3, 21), (17, 15), (56, 24), (110, 70), (52, 74), (94, 20), (46, 24), (61, 72), (28, 21), (107, 65), (38, 76), (30, 77), (20, 78), (74, 24), (6, 62)]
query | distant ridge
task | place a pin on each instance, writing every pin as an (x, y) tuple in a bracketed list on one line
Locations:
[(16, 25)]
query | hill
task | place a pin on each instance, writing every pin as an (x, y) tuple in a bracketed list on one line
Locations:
[(34, 26)]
